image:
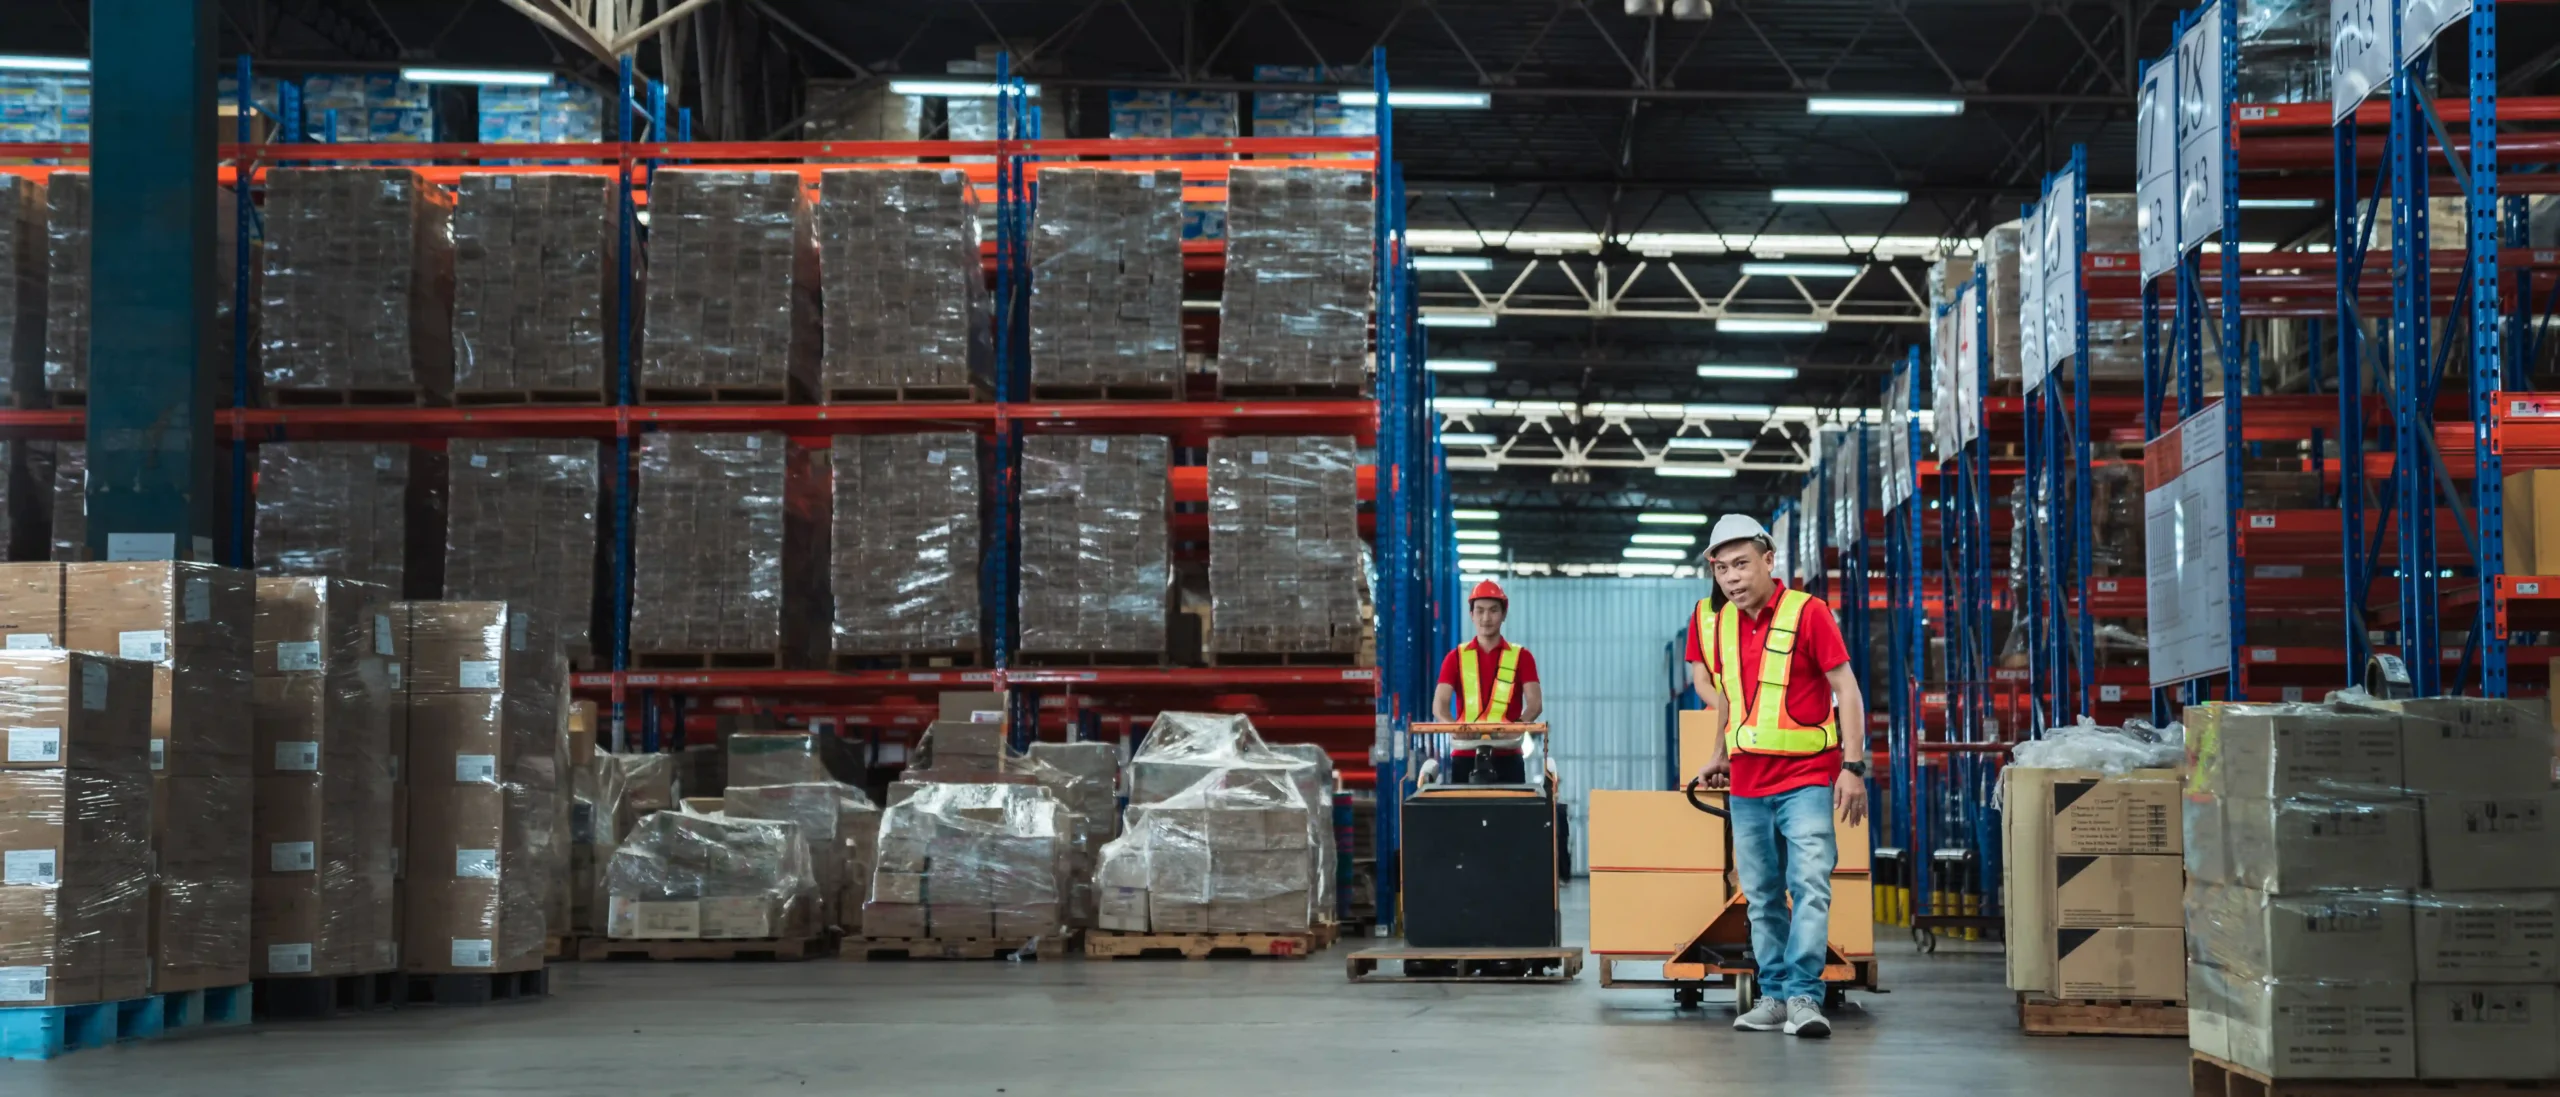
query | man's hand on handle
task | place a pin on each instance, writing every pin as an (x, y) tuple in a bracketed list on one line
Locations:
[(1849, 794), (1718, 773)]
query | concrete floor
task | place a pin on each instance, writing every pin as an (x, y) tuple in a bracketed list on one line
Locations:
[(1128, 1029)]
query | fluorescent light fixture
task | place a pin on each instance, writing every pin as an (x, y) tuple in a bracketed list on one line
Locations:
[(1461, 403), (1631, 569), (1696, 472), (2279, 203), (1838, 196), (1674, 243), (1421, 100), (1463, 438), (1654, 554), (1743, 326), (1726, 411), (953, 89), (1452, 262), (19, 62), (1479, 550), (1904, 107), (1657, 518), (1722, 445), (1476, 515), (1458, 365), (1801, 270), (514, 78), (1479, 535), (1664, 539), (1473, 464), (1200, 306), (1749, 373), (1457, 319)]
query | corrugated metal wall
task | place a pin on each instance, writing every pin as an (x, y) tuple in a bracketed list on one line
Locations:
[(1600, 645)]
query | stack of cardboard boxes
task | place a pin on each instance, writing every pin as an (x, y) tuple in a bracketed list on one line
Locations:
[(732, 281), (1285, 557), (75, 829), (715, 545), (2092, 884), (1096, 555), (1658, 871), (523, 529), (905, 543), (325, 901), (63, 327), (534, 275), (359, 282), (1296, 305), (2373, 889), (611, 793), (970, 860), (22, 281), (906, 297), (683, 876), (368, 511), (1106, 284)]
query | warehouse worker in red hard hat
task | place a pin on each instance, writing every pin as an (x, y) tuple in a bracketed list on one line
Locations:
[(1787, 729), (1488, 680)]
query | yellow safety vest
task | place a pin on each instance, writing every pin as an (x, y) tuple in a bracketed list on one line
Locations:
[(1754, 728), (1473, 706)]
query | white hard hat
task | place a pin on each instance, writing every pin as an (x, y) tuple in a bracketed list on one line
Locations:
[(1736, 527)]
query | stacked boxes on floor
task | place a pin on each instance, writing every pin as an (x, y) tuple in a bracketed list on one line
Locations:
[(2092, 883), (970, 860), (711, 566), (906, 297), (2374, 889), (729, 268), (359, 282), (325, 897), (1096, 556), (372, 512), (75, 829), (523, 529), (1657, 871), (1296, 307), (534, 272), (681, 875), (1086, 778), (1106, 283), (1221, 835), (612, 792), (1285, 557), (905, 543), (776, 777)]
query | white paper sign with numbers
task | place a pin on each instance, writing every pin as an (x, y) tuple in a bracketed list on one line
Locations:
[(2155, 187), (2061, 267), (2359, 53), (2186, 521), (1968, 399), (2031, 360), (2202, 115), (2422, 20), (1942, 382)]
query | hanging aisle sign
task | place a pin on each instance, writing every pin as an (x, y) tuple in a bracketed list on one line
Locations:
[(2031, 360), (1897, 440), (2421, 21), (1943, 356), (2187, 546), (1968, 368), (2202, 114), (2359, 53), (2061, 208), (2155, 188)]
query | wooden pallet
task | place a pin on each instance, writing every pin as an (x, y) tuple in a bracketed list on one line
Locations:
[(1090, 658), (716, 394), (873, 949), (589, 397), (2041, 1016), (475, 988), (706, 660), (951, 659), (595, 949), (301, 997), (2213, 1077), (1464, 965), (1110, 944), (50, 1032), (1290, 392), (1101, 393), (1285, 659), (347, 398), (904, 394)]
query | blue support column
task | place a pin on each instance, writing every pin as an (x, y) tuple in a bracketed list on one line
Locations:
[(2234, 352), (153, 491), (2412, 471), (2488, 359)]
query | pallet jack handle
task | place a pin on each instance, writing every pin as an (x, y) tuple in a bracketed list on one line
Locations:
[(1692, 790)]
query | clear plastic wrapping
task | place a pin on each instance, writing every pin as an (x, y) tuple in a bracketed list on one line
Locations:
[(598, 789), (368, 511), (1229, 854), (963, 746), (1186, 752), (2000, 249), (24, 267), (358, 291), (1096, 553), (906, 543), (1284, 546), (732, 281), (971, 860), (774, 758), (903, 282), (709, 566), (522, 528), (1106, 283), (75, 829), (841, 110), (70, 501), (534, 272), (1299, 273), (66, 328), (684, 875), (1085, 778), (838, 825), (324, 897)]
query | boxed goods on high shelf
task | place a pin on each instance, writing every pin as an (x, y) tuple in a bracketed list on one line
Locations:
[(679, 875), (1298, 290), (904, 288), (522, 528), (1147, 112), (368, 511), (534, 273), (959, 860), (2373, 889), (23, 269), (1285, 557), (1096, 562), (569, 113), (732, 293), (842, 110), (1106, 283), (905, 547), (64, 329), (1223, 835), (369, 107), (725, 563), (2092, 883), (324, 897), (358, 291), (488, 787), (75, 827), (193, 623)]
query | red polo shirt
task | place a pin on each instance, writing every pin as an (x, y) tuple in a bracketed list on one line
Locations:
[(1489, 663), (1819, 649)]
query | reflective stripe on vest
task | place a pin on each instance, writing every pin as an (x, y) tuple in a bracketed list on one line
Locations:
[(1760, 723), (1473, 704)]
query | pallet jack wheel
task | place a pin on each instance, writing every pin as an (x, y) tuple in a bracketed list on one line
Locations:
[(1688, 997), (1746, 990), (1925, 939), (1834, 996)]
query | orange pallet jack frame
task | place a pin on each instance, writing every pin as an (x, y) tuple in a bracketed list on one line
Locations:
[(1720, 956)]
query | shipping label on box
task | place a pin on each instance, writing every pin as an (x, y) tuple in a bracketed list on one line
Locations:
[(2488, 937), (2488, 1030)]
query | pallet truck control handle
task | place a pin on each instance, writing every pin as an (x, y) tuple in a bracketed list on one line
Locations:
[(1692, 790)]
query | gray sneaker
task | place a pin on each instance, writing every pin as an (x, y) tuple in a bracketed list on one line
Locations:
[(1765, 1015), (1804, 1018)]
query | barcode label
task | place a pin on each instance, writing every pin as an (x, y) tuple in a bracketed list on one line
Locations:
[(289, 959), (298, 756), (475, 769), (382, 462), (479, 674), (1261, 458), (473, 953), (506, 182), (24, 984), (382, 635), (475, 864), (35, 744), (149, 646), (298, 655), (933, 457), (1099, 445), (29, 641), (2262, 655), (159, 754), (2262, 521), (395, 676), (199, 600), (292, 857), (93, 687), (29, 866), (2106, 586), (479, 460)]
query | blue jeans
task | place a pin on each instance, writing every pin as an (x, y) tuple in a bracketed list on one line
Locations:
[(1783, 845)]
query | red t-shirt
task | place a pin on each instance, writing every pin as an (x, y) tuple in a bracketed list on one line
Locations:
[(1819, 649), (1489, 663)]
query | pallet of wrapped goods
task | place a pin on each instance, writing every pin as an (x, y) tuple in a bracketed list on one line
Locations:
[(521, 527), (1096, 552), (905, 292), (1294, 320), (732, 292), (1285, 556), (1106, 285), (684, 886), (534, 282), (23, 270), (840, 827), (1222, 851), (357, 302), (727, 572), (967, 869), (373, 512), (905, 551), (65, 324)]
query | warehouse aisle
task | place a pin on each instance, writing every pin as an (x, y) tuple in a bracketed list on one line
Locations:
[(1127, 1029)]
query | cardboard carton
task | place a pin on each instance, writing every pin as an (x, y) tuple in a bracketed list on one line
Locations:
[(2136, 963), (1853, 914), (2269, 754), (2472, 746), (2117, 890), (2487, 1030), (2338, 935), (1652, 913), (2310, 1029), (2305, 844), (74, 710), (2476, 843), (2488, 937), (2086, 812), (30, 606)]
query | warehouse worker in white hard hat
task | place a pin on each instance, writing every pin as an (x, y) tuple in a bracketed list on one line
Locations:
[(1787, 731)]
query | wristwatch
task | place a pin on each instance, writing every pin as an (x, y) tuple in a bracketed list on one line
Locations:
[(1858, 767)]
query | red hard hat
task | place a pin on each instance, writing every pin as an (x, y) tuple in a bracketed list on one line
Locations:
[(1489, 589)]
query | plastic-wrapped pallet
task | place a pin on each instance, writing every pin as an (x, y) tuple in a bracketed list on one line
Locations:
[(597, 791), (2115, 346), (2000, 249), (1315, 783), (1096, 562), (1106, 283), (1299, 271), (368, 511), (24, 266), (1184, 749), (534, 277), (522, 528), (70, 501), (837, 824), (970, 860), (1089, 790), (905, 291), (732, 282), (75, 810), (681, 875), (66, 326), (716, 561), (906, 543), (324, 897), (842, 110), (359, 282), (1284, 546), (1231, 853)]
